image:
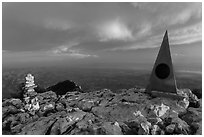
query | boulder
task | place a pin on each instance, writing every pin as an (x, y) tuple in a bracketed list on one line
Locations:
[(155, 130), (86, 105), (23, 117), (181, 126), (66, 124), (8, 110), (170, 128), (154, 120), (144, 128), (59, 107), (46, 97), (16, 129), (13, 101), (183, 103), (197, 92), (49, 107), (160, 110), (197, 127), (111, 128), (193, 100), (9, 122), (39, 127), (192, 115)]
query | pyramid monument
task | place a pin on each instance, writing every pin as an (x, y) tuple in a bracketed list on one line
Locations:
[(162, 80)]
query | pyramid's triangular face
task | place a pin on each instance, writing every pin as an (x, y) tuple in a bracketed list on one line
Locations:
[(162, 77)]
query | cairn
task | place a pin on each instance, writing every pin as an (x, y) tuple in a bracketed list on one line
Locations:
[(31, 101)]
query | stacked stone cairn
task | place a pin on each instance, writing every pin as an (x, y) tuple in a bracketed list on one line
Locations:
[(30, 99)]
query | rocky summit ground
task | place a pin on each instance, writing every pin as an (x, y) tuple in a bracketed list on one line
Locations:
[(104, 112)]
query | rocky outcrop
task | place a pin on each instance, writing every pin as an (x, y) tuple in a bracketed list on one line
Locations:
[(62, 88), (102, 112)]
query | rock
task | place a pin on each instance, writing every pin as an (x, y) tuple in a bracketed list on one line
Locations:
[(168, 105), (66, 111), (154, 120), (17, 128), (89, 125), (29, 81), (47, 108), (119, 112), (138, 114), (30, 99), (39, 89), (155, 130), (193, 115), (9, 122), (60, 107), (40, 127), (155, 110), (9, 110), (23, 117), (184, 103), (55, 130), (62, 88), (134, 96), (144, 128), (197, 127), (126, 130), (104, 102), (160, 110), (197, 92), (112, 128), (30, 93), (181, 126), (200, 103), (70, 120), (46, 97), (13, 101), (170, 128), (193, 100), (86, 105), (69, 102)]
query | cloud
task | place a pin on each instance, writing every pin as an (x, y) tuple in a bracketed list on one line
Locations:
[(169, 13), (97, 27), (145, 30), (137, 5), (4, 51), (65, 50), (136, 46), (57, 24), (180, 14), (177, 54), (114, 30), (186, 35)]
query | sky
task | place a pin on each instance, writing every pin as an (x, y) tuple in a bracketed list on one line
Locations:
[(100, 33)]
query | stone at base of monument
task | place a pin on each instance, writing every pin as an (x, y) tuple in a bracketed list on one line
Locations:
[(166, 95)]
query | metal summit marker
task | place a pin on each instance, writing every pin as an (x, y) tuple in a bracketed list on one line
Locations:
[(162, 80)]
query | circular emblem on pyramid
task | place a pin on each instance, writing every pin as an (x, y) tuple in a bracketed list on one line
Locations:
[(162, 71)]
